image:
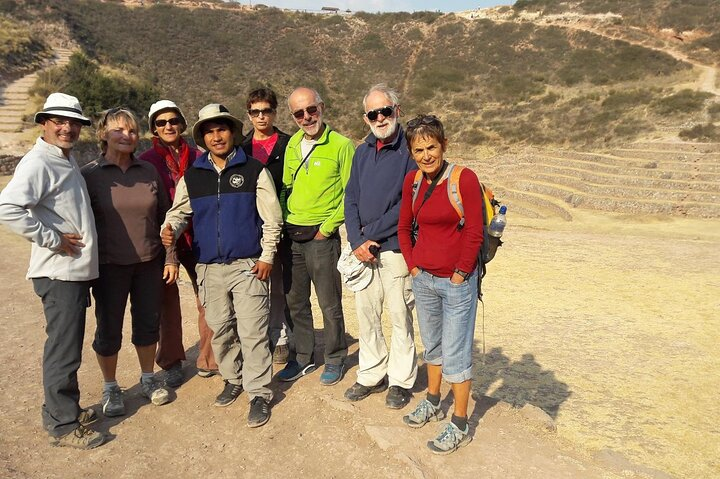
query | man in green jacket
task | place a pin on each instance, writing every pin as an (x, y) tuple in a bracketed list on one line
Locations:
[(317, 168)]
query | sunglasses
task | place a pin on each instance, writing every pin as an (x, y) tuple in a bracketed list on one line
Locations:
[(173, 121), (311, 110), (385, 111), (423, 120), (265, 111)]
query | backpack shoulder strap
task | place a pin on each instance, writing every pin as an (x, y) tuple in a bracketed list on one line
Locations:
[(416, 186), (453, 191)]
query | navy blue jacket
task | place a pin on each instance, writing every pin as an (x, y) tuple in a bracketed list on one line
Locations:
[(226, 222), (373, 193)]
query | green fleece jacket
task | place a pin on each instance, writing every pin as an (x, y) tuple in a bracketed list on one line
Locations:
[(316, 196)]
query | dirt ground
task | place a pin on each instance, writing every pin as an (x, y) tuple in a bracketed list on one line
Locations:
[(608, 323)]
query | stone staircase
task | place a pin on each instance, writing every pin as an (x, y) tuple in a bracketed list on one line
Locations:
[(647, 178), (14, 103)]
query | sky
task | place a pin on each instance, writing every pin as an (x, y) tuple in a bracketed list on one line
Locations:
[(373, 6)]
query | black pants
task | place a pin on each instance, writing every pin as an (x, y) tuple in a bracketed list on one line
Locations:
[(316, 261), (64, 303)]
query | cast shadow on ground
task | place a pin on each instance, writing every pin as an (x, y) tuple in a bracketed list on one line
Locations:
[(518, 382)]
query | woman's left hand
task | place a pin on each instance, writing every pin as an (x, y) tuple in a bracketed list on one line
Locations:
[(456, 279), (171, 273)]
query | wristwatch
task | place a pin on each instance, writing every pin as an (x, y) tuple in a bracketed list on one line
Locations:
[(462, 273)]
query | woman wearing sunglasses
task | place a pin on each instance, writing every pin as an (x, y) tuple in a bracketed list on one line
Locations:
[(171, 155), (441, 255), (267, 143), (129, 202)]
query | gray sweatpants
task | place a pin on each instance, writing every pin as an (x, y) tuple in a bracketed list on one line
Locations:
[(237, 309)]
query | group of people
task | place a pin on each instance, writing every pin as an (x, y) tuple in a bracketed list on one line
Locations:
[(254, 220)]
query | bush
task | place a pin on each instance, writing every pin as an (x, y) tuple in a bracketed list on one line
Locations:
[(707, 132), (96, 90), (683, 102)]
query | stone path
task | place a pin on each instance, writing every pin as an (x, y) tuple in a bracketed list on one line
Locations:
[(13, 104)]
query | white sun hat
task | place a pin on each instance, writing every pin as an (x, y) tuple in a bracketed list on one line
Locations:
[(66, 106), (160, 106)]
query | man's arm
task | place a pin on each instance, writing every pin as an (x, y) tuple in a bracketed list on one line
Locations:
[(24, 192), (333, 222), (269, 210), (176, 219)]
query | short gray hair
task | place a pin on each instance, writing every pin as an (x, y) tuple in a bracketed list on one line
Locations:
[(390, 93)]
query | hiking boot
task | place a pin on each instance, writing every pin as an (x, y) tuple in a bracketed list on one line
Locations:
[(174, 376), (259, 412), (397, 397), (450, 439), (293, 370), (155, 391), (112, 402), (80, 438), (357, 391), (228, 395), (87, 416), (207, 373), (332, 374), (280, 355), (424, 413)]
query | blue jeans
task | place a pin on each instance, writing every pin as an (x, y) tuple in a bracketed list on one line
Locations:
[(446, 316)]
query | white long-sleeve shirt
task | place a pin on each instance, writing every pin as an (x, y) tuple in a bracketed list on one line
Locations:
[(46, 198)]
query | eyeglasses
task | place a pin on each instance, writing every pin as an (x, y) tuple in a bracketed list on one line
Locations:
[(424, 120), (65, 121), (268, 111), (385, 111), (174, 121), (311, 110)]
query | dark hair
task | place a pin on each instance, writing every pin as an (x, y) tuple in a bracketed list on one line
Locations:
[(262, 94), (219, 121), (425, 126)]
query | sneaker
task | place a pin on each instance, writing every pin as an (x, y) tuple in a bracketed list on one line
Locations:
[(207, 373), (87, 416), (397, 397), (280, 355), (112, 402), (424, 413), (449, 439), (332, 374), (357, 391), (293, 370), (174, 376), (80, 438), (155, 392), (228, 395), (259, 412)]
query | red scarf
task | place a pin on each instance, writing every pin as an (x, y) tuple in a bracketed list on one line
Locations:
[(177, 168)]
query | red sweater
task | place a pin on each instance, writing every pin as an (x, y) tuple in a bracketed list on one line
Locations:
[(440, 247)]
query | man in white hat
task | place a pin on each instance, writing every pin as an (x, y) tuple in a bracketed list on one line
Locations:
[(236, 220), (47, 203)]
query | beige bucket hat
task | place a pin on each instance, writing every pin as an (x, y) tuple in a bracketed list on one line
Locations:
[(215, 111)]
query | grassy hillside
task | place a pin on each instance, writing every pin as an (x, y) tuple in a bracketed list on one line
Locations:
[(699, 16), (494, 83), (20, 51)]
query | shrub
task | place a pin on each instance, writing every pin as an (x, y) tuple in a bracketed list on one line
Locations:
[(96, 90), (682, 102), (707, 132)]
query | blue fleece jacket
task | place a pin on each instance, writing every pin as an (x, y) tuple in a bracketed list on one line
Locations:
[(373, 193)]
